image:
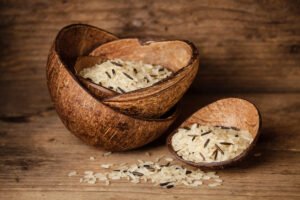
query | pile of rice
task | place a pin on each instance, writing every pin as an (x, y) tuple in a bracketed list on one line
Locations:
[(125, 76), (210, 143), (166, 174)]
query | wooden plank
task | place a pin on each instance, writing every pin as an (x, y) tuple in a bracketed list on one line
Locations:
[(37, 153), (42, 195), (244, 46)]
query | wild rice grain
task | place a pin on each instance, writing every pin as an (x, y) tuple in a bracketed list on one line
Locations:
[(169, 186), (219, 149), (121, 90), (206, 143), (127, 75), (234, 128), (215, 154), (108, 74), (164, 184), (137, 174), (206, 133), (226, 143), (117, 64), (202, 156)]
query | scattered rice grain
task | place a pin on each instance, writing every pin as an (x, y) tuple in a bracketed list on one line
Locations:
[(92, 158), (106, 166), (107, 154), (72, 173)]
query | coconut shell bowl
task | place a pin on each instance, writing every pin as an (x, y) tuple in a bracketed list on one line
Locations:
[(180, 57), (102, 117), (230, 112)]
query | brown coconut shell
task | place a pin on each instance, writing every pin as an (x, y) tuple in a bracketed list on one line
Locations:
[(181, 57), (229, 112), (85, 116)]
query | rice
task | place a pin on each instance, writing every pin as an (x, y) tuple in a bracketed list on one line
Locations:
[(107, 154), (106, 166), (169, 159), (160, 174), (210, 143), (92, 158), (125, 76), (148, 154), (72, 173)]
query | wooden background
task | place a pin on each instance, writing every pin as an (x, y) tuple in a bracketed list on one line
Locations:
[(248, 49)]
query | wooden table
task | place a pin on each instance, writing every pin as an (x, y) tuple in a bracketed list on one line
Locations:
[(248, 49)]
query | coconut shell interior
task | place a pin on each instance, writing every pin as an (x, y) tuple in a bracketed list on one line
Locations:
[(230, 112), (173, 55), (181, 57), (85, 116)]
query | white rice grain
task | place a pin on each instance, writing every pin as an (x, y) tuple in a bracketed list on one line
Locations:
[(125, 76), (72, 173), (107, 154)]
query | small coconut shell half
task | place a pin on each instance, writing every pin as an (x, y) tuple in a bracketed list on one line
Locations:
[(84, 115), (181, 57), (229, 112)]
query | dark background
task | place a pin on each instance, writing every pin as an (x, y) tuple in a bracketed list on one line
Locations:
[(248, 49)]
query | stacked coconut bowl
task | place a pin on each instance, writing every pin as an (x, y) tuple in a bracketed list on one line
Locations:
[(103, 117)]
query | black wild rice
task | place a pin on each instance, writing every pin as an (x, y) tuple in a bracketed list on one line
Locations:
[(117, 64), (137, 173), (121, 90), (164, 184), (226, 143), (219, 149), (206, 143), (127, 75), (108, 74), (206, 133)]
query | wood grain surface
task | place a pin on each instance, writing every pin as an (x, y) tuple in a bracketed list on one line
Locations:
[(248, 49)]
